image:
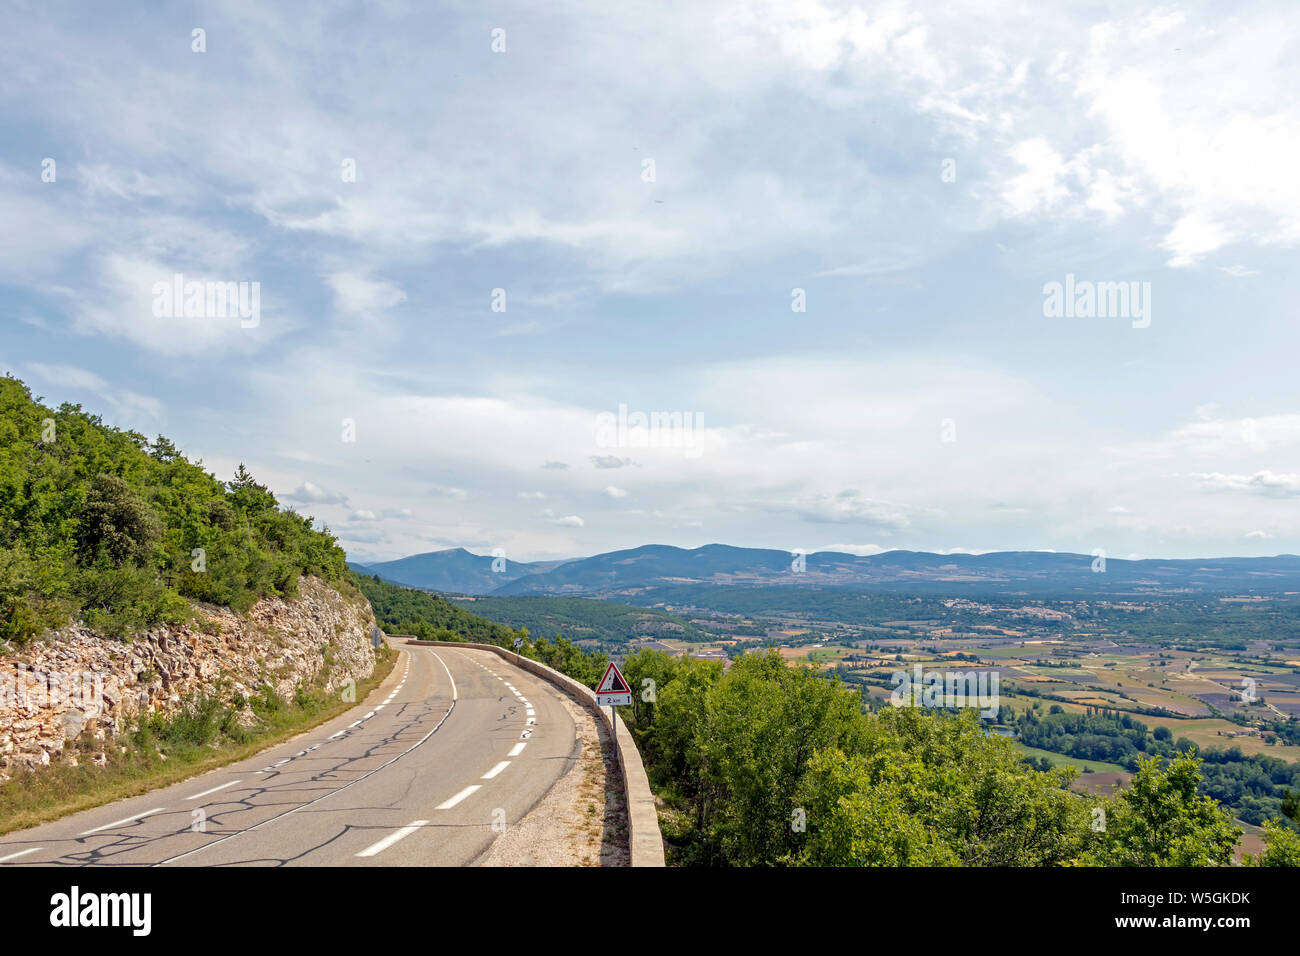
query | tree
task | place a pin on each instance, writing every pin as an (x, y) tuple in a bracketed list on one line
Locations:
[(1282, 846), (115, 523), (1161, 820)]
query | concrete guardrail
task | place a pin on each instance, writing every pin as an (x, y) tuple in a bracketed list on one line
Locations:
[(644, 839)]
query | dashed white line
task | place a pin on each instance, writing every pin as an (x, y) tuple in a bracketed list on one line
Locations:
[(14, 856), (392, 838), (109, 826), (332, 793), (516, 750), (213, 790), (495, 770), (448, 804)]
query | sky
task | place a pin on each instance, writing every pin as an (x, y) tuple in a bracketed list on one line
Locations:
[(825, 234)]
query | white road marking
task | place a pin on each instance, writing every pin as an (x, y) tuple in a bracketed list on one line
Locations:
[(516, 750), (495, 770), (109, 826), (14, 856), (448, 804), (213, 790), (455, 695), (332, 793), (392, 838), (530, 721), (530, 712)]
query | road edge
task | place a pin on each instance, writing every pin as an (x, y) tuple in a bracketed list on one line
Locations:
[(645, 842)]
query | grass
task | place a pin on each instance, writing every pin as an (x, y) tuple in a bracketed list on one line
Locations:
[(200, 738), (1060, 760)]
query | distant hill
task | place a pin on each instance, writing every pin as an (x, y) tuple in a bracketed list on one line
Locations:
[(453, 571), (629, 573), (656, 566)]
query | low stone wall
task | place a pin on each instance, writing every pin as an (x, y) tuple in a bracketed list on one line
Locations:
[(644, 839), (74, 680)]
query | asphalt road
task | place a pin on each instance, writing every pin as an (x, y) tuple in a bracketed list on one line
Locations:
[(454, 743)]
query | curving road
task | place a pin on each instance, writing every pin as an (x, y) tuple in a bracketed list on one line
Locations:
[(454, 744)]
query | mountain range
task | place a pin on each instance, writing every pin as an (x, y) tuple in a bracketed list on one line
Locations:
[(633, 571)]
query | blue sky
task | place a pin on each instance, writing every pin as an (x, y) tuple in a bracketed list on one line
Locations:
[(921, 172)]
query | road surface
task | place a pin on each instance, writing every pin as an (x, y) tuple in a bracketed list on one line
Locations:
[(454, 743)]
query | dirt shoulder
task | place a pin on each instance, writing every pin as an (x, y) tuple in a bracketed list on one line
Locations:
[(582, 820)]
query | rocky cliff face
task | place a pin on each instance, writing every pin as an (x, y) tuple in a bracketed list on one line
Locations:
[(75, 681)]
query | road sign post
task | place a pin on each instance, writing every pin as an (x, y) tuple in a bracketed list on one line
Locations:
[(613, 690)]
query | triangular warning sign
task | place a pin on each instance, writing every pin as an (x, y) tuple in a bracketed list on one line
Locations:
[(612, 682)]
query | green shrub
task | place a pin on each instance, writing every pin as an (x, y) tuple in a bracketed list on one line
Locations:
[(102, 524)]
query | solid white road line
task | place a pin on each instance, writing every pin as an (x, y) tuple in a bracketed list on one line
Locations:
[(516, 750), (495, 770), (332, 793), (392, 838), (109, 826), (455, 695), (213, 790), (448, 804), (14, 856)]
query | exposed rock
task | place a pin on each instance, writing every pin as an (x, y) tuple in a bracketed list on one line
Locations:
[(75, 680)]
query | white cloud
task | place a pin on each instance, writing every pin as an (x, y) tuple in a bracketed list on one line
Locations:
[(1260, 483), (130, 406), (862, 550), (309, 493), (359, 295)]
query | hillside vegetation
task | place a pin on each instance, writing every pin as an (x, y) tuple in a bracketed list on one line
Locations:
[(606, 622), (430, 617), (104, 525), (767, 764)]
